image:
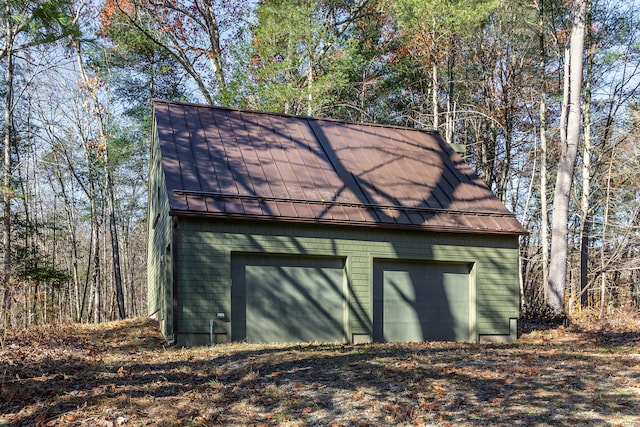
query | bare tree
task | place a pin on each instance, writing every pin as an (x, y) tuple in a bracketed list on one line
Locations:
[(23, 25), (570, 137)]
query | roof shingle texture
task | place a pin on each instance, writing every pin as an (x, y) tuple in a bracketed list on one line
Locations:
[(233, 163)]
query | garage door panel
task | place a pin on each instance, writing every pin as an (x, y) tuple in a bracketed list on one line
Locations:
[(288, 299), (456, 293), (416, 301)]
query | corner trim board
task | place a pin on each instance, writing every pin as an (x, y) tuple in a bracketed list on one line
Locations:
[(174, 278)]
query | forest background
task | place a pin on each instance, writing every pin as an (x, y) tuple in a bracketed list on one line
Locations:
[(518, 84)]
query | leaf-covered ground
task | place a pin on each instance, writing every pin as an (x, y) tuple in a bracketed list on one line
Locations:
[(120, 374)]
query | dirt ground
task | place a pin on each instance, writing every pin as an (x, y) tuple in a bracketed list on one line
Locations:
[(121, 374)]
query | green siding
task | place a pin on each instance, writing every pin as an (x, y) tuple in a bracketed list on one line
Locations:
[(159, 247), (205, 250)]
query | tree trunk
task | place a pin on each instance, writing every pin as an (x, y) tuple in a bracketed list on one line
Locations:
[(93, 266), (102, 128), (566, 164), (586, 181), (449, 123), (434, 93), (68, 198), (8, 166), (544, 208), (115, 247), (310, 86), (506, 164), (215, 57), (603, 244)]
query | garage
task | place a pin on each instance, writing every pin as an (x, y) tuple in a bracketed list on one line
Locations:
[(278, 224), (422, 301), (287, 298)]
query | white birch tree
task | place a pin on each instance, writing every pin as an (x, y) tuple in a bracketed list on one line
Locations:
[(569, 138)]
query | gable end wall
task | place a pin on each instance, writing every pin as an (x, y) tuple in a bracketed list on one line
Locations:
[(159, 223)]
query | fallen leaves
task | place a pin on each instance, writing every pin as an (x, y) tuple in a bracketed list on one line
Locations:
[(430, 405), (79, 375), (438, 390)]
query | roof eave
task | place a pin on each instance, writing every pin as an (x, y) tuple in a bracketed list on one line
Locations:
[(350, 223)]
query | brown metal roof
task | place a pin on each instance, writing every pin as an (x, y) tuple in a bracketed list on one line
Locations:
[(232, 163)]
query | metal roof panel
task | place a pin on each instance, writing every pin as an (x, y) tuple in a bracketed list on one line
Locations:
[(238, 163)]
